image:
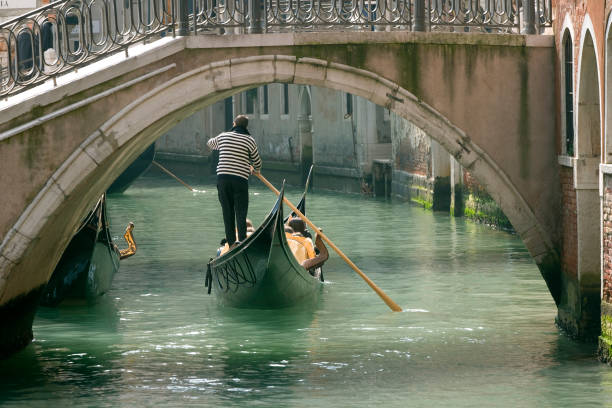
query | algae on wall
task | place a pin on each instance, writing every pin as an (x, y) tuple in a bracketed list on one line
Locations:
[(479, 206), (413, 177)]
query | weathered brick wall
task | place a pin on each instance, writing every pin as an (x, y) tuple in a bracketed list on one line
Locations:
[(607, 243), (569, 258), (411, 147), (469, 182), (480, 206)]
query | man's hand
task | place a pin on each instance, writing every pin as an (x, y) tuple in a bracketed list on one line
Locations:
[(253, 171)]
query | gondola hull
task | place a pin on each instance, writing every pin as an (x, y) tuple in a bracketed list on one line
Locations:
[(134, 170), (88, 265), (262, 271)]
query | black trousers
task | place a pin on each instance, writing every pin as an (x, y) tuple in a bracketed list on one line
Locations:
[(234, 198)]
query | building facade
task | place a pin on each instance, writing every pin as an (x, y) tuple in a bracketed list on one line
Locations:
[(584, 48)]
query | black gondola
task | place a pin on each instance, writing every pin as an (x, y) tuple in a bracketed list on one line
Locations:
[(134, 170), (262, 272), (89, 263)]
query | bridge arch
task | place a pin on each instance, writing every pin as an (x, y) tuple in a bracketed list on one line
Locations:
[(103, 155)]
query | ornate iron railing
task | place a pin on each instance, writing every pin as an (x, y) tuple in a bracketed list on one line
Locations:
[(70, 33)]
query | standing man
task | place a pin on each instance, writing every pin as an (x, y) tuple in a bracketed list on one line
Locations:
[(238, 159)]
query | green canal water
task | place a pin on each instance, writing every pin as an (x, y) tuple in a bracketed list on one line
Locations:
[(477, 327)]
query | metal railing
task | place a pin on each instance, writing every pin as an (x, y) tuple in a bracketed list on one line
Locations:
[(67, 34)]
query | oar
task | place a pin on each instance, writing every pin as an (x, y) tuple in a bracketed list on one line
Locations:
[(172, 175), (392, 305)]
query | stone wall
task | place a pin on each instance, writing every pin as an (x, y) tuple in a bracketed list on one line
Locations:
[(480, 207), (605, 339), (412, 175), (607, 245), (414, 178)]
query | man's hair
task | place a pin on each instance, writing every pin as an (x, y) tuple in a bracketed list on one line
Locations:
[(242, 121), (297, 224)]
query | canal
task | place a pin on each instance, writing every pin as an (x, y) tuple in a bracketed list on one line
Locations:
[(477, 327)]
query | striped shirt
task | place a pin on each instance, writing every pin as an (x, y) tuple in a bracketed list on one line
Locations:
[(237, 152)]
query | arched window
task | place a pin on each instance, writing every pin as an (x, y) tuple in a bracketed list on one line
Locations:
[(568, 65)]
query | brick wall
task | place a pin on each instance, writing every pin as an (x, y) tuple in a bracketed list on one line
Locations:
[(569, 256), (411, 147), (607, 245)]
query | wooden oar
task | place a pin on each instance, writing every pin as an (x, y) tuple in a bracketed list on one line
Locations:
[(392, 305), (172, 175)]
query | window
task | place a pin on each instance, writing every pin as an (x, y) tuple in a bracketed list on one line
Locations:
[(251, 100), (285, 99), (569, 95), (265, 107), (349, 105)]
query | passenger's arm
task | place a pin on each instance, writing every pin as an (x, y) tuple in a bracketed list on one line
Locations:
[(319, 259)]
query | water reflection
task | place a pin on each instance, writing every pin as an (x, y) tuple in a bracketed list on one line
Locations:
[(71, 356)]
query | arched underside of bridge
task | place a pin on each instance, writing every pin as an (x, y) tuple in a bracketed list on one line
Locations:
[(122, 120)]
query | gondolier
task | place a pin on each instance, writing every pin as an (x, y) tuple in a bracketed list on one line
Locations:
[(238, 158)]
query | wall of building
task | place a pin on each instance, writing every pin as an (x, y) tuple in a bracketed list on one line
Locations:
[(412, 173), (585, 216), (341, 133)]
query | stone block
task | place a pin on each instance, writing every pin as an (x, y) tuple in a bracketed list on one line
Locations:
[(311, 71), (220, 76), (43, 206), (251, 70), (284, 68), (14, 246), (355, 81), (5, 265), (98, 147), (74, 170)]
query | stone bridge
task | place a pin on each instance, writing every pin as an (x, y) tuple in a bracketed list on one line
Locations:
[(488, 99)]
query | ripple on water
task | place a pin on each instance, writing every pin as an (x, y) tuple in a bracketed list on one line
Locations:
[(477, 329)]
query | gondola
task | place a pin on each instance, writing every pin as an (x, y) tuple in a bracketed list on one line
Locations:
[(89, 263), (134, 170), (261, 272)]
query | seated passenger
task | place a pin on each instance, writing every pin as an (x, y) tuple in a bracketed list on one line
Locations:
[(313, 264), (299, 226), (301, 247), (223, 247)]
